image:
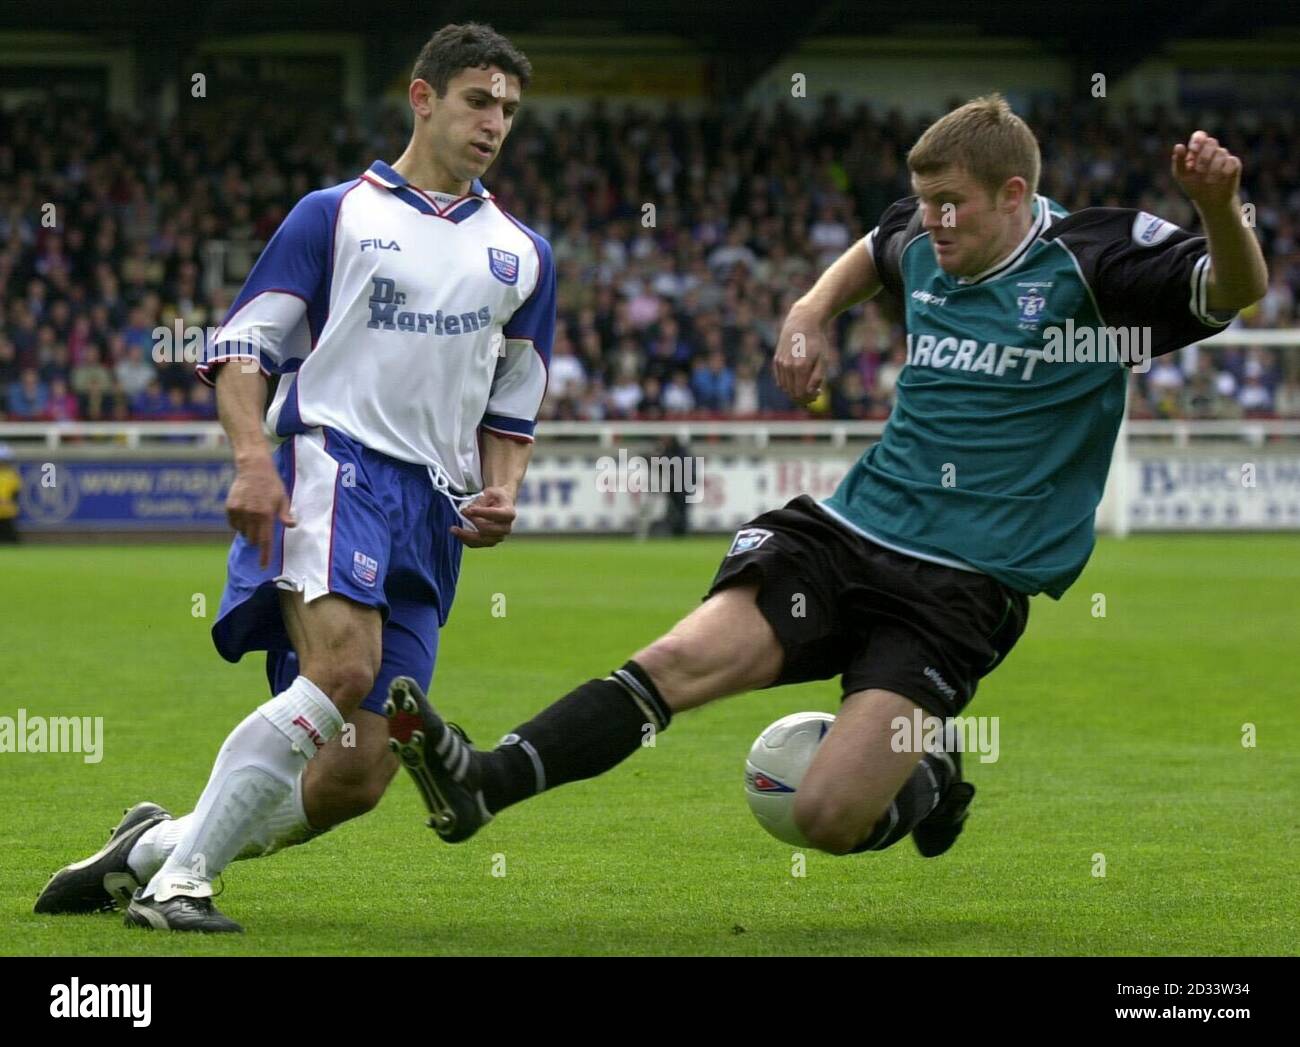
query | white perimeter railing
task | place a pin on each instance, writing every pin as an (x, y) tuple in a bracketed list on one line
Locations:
[(166, 437)]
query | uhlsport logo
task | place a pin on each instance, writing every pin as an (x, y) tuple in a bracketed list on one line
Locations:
[(503, 265), (386, 316)]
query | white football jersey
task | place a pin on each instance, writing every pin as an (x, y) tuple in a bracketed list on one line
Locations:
[(401, 321)]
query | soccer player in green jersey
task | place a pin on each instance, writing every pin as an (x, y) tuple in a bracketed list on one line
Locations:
[(913, 578)]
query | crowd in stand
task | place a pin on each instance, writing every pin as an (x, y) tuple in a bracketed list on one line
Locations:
[(680, 244)]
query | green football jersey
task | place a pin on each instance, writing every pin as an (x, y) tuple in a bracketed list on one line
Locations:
[(995, 455)]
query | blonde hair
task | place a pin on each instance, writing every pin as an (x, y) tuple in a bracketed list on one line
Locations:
[(985, 138)]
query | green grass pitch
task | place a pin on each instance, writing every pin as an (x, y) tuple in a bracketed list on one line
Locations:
[(1120, 736)]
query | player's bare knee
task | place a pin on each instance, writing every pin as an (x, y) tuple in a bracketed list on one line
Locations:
[(826, 834), (366, 795), (672, 663), (346, 677), (347, 792), (830, 823)]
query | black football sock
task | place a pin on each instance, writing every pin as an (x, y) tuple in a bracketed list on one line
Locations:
[(588, 731), (918, 797)]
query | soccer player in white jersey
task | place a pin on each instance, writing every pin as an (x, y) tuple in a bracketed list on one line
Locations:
[(408, 320)]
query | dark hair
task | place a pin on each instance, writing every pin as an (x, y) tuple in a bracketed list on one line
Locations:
[(469, 46)]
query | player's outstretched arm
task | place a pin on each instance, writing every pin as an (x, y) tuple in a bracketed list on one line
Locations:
[(800, 362), (257, 496), (1211, 177)]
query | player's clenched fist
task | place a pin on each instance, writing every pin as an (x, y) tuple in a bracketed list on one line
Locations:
[(256, 500), (800, 362), (1208, 173), (493, 515)]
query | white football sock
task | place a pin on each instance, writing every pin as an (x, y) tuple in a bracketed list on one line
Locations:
[(286, 826), (254, 774)]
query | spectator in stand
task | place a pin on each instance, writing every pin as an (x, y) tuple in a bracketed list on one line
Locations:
[(566, 379), (1287, 403), (1225, 384), (29, 397), (850, 398), (90, 376), (745, 404), (151, 402), (176, 406), (139, 332), (651, 406), (625, 397), (1255, 398), (1199, 399), (887, 376), (80, 338), (713, 384), (669, 351), (735, 251), (134, 373), (740, 232), (829, 237), (677, 396), (54, 362), (1165, 378), (62, 404), (592, 406), (9, 369), (203, 407)]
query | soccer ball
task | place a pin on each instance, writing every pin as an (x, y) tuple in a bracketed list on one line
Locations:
[(777, 763)]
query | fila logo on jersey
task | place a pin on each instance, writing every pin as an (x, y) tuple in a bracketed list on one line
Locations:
[(379, 245), (748, 540), (503, 265), (384, 314), (365, 569)]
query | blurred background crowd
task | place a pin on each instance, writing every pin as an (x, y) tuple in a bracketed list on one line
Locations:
[(680, 241)]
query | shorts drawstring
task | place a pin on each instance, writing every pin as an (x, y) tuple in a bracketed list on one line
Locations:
[(442, 483)]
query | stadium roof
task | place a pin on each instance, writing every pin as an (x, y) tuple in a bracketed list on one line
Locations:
[(748, 34)]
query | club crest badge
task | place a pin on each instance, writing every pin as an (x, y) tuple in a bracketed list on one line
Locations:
[(365, 569), (503, 265)]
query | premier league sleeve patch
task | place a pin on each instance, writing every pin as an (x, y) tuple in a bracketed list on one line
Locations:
[(503, 265), (748, 540), (1149, 230)]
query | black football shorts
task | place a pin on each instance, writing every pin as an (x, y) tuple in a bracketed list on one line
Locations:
[(841, 604)]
